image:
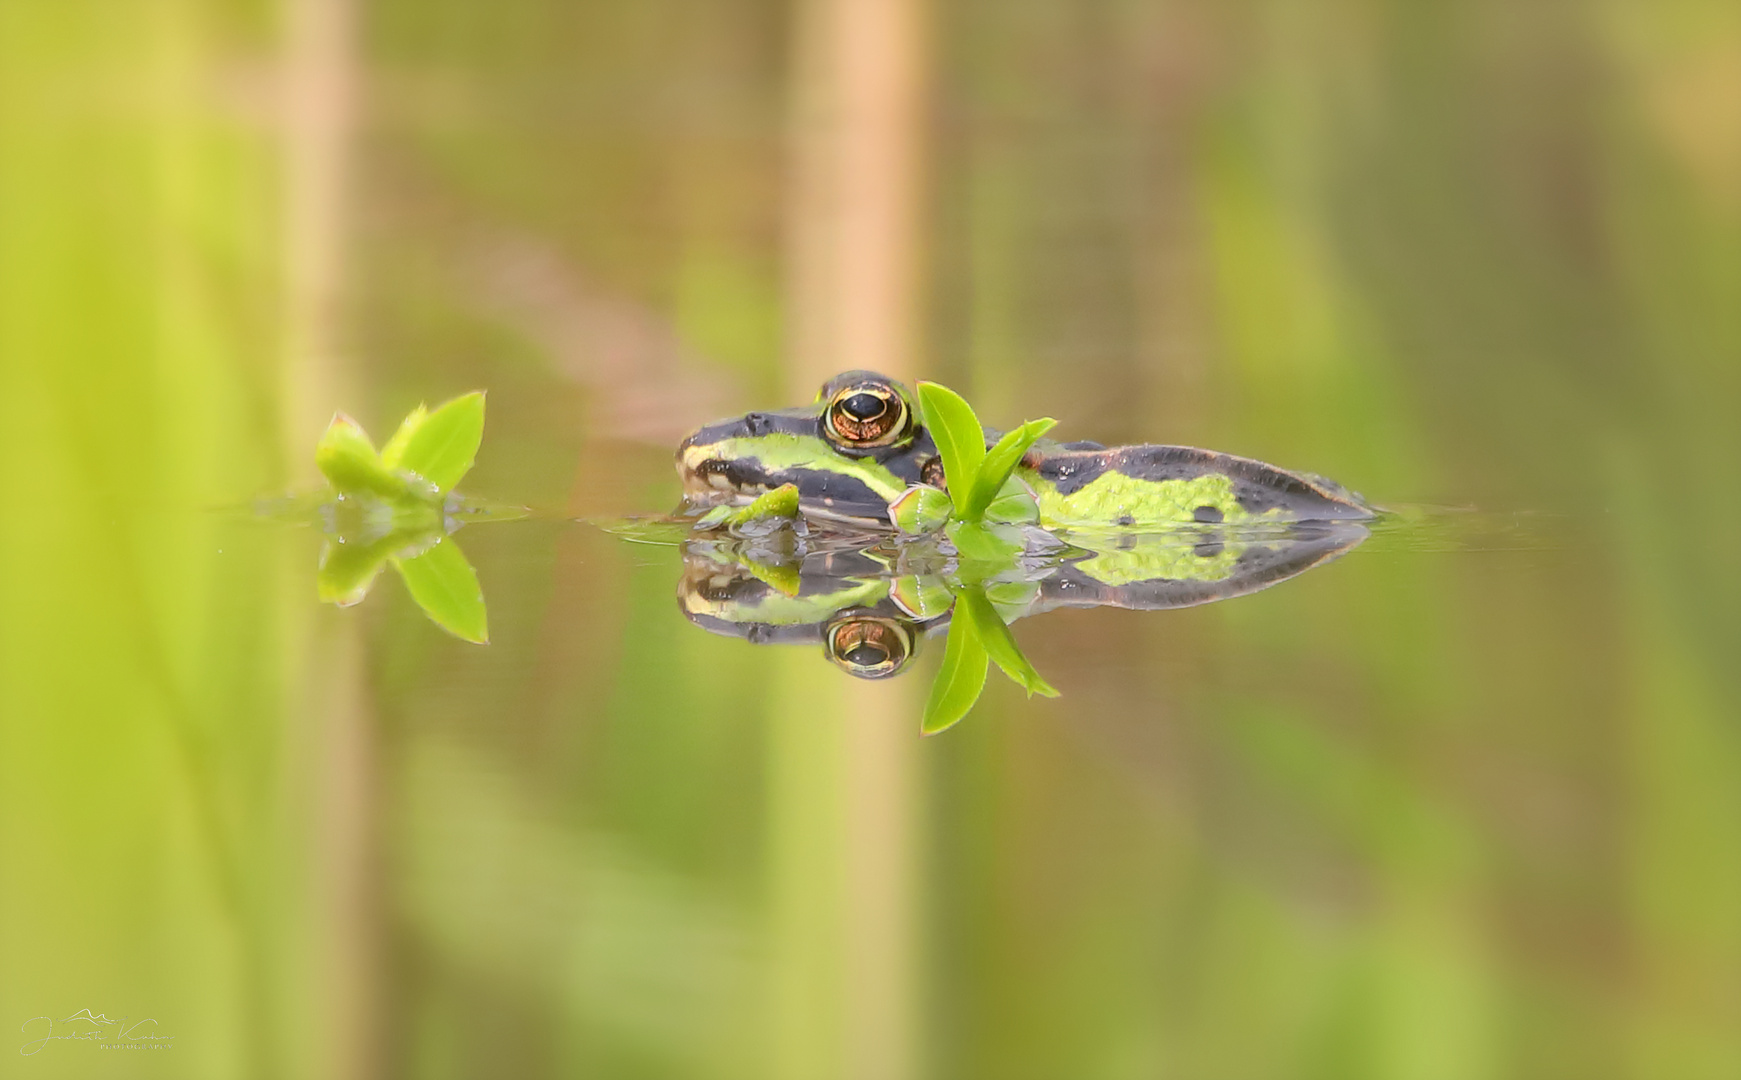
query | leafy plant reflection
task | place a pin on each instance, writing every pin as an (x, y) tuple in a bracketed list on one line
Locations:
[(397, 507)]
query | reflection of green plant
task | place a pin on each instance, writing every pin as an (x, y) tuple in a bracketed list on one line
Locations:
[(397, 506), (980, 515), (978, 637)]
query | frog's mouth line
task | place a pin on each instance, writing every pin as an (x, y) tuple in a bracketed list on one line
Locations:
[(711, 481)]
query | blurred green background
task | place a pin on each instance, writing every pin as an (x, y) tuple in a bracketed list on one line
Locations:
[(1463, 806)]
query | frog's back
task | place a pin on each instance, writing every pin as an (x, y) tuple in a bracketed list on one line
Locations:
[(1083, 485)]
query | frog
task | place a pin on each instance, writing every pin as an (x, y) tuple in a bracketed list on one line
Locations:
[(863, 442)]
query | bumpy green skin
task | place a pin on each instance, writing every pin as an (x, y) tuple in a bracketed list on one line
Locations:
[(1086, 487), (1113, 496)]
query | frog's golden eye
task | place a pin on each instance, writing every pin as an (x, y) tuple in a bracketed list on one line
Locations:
[(866, 415), (868, 647)]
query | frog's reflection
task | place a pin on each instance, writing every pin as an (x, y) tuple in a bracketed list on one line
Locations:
[(844, 601), (870, 605)]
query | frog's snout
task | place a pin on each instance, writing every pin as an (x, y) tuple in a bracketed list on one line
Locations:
[(708, 475), (709, 471), (705, 476)]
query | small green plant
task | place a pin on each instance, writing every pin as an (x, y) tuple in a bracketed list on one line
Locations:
[(421, 463), (985, 497), (396, 507), (984, 505)]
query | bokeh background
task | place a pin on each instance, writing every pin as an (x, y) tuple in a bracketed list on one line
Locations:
[(1465, 804)]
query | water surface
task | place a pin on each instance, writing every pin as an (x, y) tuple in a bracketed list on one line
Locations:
[(1464, 802)]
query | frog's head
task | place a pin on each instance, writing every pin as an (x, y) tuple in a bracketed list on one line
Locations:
[(850, 453)]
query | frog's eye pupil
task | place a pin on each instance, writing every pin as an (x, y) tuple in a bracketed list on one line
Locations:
[(866, 655), (864, 406), (865, 417)]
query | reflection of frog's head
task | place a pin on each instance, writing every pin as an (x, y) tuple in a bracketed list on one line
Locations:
[(862, 630), (870, 646), (852, 451)]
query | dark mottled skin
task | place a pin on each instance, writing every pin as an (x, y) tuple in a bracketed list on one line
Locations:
[(1259, 487)]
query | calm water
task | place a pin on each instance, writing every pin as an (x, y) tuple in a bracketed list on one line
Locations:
[(1462, 803)]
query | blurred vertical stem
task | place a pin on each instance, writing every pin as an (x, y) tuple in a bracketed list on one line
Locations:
[(853, 286), (321, 61)]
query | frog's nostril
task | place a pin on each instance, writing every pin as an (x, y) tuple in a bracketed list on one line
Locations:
[(757, 423)]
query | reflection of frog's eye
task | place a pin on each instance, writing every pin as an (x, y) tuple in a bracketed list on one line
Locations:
[(867, 647), (866, 415)]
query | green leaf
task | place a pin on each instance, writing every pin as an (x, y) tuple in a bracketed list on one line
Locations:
[(922, 596), (977, 543), (446, 587), (959, 681), (395, 448), (919, 510), (1000, 462), (441, 446), (348, 460), (1015, 504), (347, 570), (1012, 599), (960, 440), (1000, 644)]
